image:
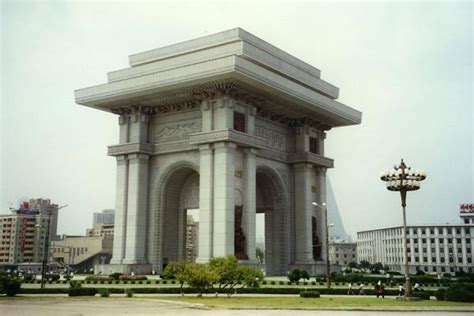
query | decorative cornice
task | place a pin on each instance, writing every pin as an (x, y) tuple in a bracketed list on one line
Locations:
[(291, 122), (227, 135), (130, 148), (311, 158)]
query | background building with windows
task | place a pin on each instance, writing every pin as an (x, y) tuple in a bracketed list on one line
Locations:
[(431, 248), (106, 217), (23, 234), (342, 252)]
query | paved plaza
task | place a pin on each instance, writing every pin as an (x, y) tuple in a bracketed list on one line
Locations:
[(137, 306)]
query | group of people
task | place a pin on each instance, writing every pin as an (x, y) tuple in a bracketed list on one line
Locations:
[(379, 289)]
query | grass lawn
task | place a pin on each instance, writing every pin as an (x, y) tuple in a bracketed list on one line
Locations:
[(323, 302)]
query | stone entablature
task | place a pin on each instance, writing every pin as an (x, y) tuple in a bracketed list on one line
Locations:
[(232, 126)]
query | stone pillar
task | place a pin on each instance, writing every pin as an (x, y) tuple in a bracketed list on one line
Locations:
[(206, 177), (223, 113), (224, 201), (137, 201), (137, 209), (303, 212), (320, 214), (251, 112), (250, 201), (120, 226)]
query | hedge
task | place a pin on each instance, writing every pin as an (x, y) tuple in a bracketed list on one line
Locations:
[(310, 294), (177, 290), (84, 291)]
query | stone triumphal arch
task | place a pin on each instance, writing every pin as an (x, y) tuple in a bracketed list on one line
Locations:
[(232, 126)]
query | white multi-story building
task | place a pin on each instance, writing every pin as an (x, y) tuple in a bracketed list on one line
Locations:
[(431, 248)]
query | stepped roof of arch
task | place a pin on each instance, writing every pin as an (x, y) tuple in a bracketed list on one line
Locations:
[(235, 59)]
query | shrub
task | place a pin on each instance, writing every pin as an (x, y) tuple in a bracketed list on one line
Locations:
[(422, 295), (304, 275), (115, 275), (272, 282), (440, 294), (148, 282), (10, 285), (311, 294), (53, 277), (104, 292), (282, 282), (264, 282), (294, 275), (29, 277), (313, 282), (460, 292), (128, 292)]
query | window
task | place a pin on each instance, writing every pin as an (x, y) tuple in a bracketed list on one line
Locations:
[(468, 241), (451, 259), (423, 240), (458, 240), (239, 122), (314, 145), (443, 269), (458, 231), (433, 250), (450, 240), (432, 231), (433, 259), (459, 250), (415, 241), (432, 240), (442, 259)]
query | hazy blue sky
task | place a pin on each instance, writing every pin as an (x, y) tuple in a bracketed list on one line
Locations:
[(406, 66)]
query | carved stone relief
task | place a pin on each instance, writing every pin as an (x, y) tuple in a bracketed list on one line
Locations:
[(177, 131)]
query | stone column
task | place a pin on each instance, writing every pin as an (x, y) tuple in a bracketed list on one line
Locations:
[(120, 226), (137, 209), (303, 211), (206, 178), (320, 214), (224, 201), (250, 201)]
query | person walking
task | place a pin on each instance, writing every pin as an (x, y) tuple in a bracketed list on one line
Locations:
[(349, 292), (361, 289)]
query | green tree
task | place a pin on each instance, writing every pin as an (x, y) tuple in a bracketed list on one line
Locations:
[(364, 265), (200, 277), (376, 267), (353, 265), (230, 274), (177, 270)]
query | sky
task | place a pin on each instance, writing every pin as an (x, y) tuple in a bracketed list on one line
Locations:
[(407, 66)]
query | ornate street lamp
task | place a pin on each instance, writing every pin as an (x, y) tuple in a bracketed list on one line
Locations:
[(403, 179)]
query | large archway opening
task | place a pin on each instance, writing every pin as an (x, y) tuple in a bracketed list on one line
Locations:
[(271, 213), (180, 225)]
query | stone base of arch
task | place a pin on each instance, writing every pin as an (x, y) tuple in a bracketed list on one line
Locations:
[(137, 269)]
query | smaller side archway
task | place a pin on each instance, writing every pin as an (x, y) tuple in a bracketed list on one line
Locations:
[(272, 201), (178, 192)]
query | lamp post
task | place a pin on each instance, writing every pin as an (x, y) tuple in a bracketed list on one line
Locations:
[(403, 179), (328, 266), (45, 252)]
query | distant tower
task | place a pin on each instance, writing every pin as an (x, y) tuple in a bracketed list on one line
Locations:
[(44, 207)]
